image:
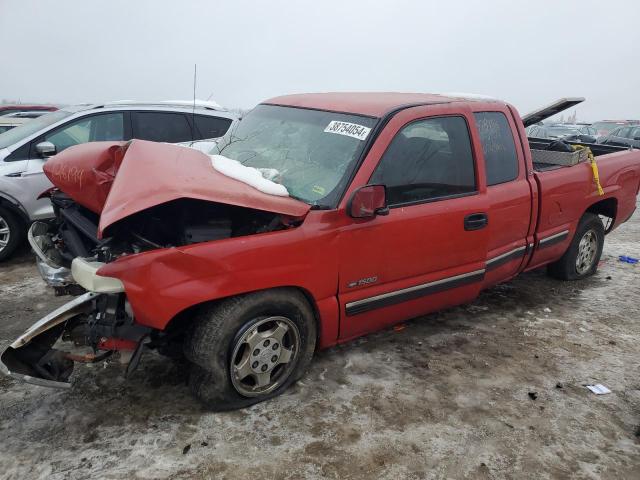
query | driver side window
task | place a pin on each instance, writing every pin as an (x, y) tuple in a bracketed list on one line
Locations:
[(427, 160), (108, 126)]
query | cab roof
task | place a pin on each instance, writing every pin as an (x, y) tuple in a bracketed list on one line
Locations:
[(372, 104)]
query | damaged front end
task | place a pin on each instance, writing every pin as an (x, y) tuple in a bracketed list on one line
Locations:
[(88, 329), (113, 199), (73, 233)]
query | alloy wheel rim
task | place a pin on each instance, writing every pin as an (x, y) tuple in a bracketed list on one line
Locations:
[(264, 356), (5, 233), (587, 249)]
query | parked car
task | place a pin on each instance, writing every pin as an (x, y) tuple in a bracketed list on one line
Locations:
[(627, 136), (25, 114), (7, 109), (7, 123), (318, 218), (605, 127), (586, 129), (569, 132), (25, 149)]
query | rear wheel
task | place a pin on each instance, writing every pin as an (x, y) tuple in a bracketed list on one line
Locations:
[(250, 348), (583, 255), (11, 233)]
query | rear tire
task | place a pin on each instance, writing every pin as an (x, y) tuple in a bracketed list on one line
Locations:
[(583, 255), (264, 340), (12, 233)]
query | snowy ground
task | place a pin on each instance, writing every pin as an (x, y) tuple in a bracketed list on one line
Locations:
[(445, 397)]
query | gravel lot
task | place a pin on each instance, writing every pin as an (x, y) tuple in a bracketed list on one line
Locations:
[(445, 397)]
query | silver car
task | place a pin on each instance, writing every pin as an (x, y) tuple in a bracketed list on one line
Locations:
[(24, 149)]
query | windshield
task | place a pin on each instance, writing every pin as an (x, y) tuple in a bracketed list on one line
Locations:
[(311, 152), (29, 128)]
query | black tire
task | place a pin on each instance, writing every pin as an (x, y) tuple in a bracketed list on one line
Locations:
[(16, 232), (566, 268), (217, 328)]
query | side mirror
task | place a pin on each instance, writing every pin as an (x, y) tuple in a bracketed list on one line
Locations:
[(368, 201), (46, 149)]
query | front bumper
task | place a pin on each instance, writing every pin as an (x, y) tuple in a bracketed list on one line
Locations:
[(54, 276), (30, 357)]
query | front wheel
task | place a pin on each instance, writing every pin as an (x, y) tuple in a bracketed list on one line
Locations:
[(583, 255), (249, 348)]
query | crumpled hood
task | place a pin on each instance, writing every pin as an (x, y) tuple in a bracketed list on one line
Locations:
[(118, 179)]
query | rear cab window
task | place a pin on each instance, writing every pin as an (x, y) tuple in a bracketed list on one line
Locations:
[(428, 160), (498, 146)]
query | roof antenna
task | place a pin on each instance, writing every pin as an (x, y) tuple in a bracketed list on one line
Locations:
[(193, 111)]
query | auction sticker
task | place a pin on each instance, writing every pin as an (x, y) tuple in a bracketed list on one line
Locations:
[(349, 129)]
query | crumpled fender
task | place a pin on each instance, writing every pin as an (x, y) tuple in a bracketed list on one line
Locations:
[(86, 172)]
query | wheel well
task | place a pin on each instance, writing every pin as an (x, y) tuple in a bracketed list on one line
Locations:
[(183, 319), (606, 208), (19, 214)]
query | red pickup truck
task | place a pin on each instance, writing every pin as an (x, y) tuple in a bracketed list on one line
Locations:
[(317, 219)]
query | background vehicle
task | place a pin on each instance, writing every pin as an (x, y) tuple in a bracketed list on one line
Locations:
[(9, 108), (9, 122), (586, 129), (400, 205), (25, 114), (627, 136), (605, 127), (578, 133), (24, 150)]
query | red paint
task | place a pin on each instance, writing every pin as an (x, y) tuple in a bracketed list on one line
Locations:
[(86, 172), (363, 103), (329, 251), (21, 107)]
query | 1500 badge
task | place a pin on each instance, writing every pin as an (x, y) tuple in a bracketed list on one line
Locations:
[(362, 282)]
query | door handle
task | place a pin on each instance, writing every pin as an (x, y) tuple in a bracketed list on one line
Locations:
[(475, 221)]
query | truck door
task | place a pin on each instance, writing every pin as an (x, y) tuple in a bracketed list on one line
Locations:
[(508, 192), (429, 251)]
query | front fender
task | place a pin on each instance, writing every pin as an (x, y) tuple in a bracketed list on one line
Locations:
[(161, 283)]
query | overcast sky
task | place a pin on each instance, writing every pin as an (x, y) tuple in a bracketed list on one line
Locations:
[(526, 52)]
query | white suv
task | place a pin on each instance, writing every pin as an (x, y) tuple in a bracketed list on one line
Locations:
[(24, 149)]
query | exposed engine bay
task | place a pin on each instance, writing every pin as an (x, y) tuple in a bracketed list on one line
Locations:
[(74, 231)]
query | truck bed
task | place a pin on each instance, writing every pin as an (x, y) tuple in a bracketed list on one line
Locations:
[(565, 192), (543, 143)]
